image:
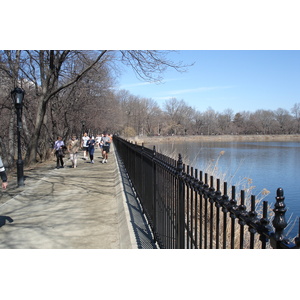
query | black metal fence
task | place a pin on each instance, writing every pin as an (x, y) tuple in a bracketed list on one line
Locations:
[(187, 209)]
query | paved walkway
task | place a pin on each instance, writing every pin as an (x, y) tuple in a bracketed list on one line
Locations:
[(90, 207)]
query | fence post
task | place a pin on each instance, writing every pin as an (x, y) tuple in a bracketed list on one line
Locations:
[(264, 221), (181, 208), (143, 185), (279, 221), (154, 194)]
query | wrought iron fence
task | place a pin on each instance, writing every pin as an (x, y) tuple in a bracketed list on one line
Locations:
[(188, 209)]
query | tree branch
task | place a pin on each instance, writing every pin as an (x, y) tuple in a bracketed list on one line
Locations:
[(77, 77)]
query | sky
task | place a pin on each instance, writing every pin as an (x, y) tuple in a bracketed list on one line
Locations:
[(241, 80)]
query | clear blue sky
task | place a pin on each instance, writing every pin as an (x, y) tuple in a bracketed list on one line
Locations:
[(237, 79)]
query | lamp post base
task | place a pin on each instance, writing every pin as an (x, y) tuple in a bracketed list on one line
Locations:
[(20, 173)]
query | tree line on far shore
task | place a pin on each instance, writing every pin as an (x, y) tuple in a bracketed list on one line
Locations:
[(69, 92), (144, 117)]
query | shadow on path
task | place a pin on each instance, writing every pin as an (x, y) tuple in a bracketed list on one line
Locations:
[(3, 220), (142, 231)]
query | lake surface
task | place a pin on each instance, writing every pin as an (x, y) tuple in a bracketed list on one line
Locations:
[(260, 165)]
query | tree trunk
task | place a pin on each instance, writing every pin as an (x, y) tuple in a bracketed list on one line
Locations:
[(32, 146)]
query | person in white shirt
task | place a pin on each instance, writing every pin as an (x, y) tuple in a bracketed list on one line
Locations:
[(98, 140), (84, 145), (59, 152)]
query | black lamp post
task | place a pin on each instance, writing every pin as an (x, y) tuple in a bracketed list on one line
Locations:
[(18, 95), (83, 124)]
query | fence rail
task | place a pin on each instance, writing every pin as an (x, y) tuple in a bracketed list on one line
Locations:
[(188, 209)]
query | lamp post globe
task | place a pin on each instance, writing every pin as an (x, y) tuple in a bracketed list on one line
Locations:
[(18, 95)]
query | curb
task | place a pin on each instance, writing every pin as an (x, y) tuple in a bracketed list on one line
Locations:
[(127, 238)]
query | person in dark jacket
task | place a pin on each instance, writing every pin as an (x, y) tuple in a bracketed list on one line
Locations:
[(91, 148), (3, 175)]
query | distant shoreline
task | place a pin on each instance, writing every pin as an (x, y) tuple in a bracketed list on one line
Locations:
[(215, 138)]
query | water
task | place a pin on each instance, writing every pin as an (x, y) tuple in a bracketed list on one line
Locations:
[(269, 165)]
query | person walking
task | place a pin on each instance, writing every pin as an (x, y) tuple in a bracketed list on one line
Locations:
[(59, 152), (106, 140), (3, 175), (101, 143), (73, 147), (98, 140), (91, 148), (84, 140)]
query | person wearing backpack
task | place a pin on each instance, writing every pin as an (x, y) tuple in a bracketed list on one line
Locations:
[(59, 152)]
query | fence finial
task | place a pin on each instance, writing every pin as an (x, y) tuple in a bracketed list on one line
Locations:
[(179, 164), (279, 221)]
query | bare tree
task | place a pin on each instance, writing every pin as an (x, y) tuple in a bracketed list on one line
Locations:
[(225, 121), (284, 120), (263, 121), (198, 123), (210, 117), (154, 119), (51, 66), (179, 114), (53, 71), (296, 113)]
